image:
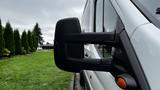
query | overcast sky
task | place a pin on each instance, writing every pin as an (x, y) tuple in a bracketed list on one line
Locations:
[(23, 14)]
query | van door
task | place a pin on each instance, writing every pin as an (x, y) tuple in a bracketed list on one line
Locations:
[(105, 20)]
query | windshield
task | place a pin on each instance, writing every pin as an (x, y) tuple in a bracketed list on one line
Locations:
[(153, 7)]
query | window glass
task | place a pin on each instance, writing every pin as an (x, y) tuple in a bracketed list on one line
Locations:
[(85, 18), (99, 22), (110, 23), (110, 17), (99, 16), (106, 20)]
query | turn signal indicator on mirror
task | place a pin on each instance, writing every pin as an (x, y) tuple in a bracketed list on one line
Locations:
[(122, 83), (126, 81)]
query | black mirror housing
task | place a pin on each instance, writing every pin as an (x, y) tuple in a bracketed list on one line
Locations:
[(69, 47), (67, 26)]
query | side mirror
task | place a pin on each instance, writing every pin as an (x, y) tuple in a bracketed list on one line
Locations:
[(69, 47)]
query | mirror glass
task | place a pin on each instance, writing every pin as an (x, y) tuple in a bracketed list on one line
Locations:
[(102, 50)]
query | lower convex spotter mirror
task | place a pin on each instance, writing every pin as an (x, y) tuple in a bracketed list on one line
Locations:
[(69, 47)]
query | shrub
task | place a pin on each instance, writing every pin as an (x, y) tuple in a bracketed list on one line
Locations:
[(23, 51), (29, 50), (34, 49), (6, 52)]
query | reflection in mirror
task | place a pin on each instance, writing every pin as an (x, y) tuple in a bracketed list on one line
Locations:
[(103, 51)]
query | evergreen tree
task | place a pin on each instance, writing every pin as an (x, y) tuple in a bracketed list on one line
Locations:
[(38, 33), (9, 38), (17, 42), (25, 42), (30, 41), (35, 42), (1, 39)]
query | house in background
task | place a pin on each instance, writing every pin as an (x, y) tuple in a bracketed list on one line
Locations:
[(47, 46)]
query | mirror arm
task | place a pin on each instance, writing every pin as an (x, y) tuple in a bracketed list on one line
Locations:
[(91, 38), (94, 64)]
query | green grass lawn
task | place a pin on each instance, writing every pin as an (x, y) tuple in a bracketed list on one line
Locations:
[(35, 71)]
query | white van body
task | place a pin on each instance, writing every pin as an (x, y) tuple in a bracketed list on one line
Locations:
[(144, 37)]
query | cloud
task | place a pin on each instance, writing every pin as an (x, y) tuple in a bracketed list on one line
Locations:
[(23, 14)]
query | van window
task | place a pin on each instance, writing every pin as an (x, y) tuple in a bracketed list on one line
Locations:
[(86, 18), (110, 23), (110, 17), (106, 21), (99, 16)]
